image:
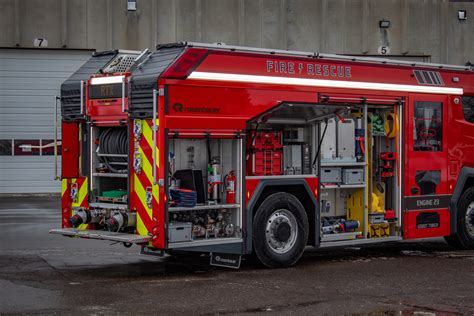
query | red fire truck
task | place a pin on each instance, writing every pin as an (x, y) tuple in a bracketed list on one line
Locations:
[(234, 151)]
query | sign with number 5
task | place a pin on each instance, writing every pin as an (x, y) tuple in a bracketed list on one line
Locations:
[(384, 50)]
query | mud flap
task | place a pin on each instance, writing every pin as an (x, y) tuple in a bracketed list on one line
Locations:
[(152, 252), (225, 260)]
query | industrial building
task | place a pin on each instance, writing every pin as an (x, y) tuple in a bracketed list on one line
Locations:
[(44, 41)]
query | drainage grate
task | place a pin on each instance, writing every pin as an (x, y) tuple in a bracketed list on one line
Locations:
[(432, 78)]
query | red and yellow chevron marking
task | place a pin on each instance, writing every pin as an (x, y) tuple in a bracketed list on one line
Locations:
[(143, 181), (67, 204)]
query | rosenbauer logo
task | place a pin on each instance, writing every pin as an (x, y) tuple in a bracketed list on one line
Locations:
[(178, 107)]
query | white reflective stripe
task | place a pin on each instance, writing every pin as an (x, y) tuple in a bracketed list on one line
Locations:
[(107, 80), (323, 83)]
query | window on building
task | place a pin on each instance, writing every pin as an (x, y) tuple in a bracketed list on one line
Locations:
[(48, 147), (27, 147), (5, 147), (468, 108), (428, 134)]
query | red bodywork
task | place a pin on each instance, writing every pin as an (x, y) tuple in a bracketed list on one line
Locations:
[(208, 105)]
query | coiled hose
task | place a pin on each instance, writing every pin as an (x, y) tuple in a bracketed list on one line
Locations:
[(113, 141)]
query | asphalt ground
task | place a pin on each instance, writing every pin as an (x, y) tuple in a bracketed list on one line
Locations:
[(50, 274)]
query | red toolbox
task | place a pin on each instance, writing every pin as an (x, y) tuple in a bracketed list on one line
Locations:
[(265, 163), (265, 140)]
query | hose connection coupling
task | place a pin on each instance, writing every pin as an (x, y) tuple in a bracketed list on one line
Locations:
[(83, 216)]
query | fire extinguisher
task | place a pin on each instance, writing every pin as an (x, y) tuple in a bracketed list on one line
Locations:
[(230, 181)]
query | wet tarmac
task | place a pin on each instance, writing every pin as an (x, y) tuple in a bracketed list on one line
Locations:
[(50, 274)]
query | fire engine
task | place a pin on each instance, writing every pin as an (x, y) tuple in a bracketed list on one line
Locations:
[(232, 151)]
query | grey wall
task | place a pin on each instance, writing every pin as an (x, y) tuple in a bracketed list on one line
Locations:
[(418, 27)]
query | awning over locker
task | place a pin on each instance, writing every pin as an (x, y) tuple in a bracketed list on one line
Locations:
[(302, 113)]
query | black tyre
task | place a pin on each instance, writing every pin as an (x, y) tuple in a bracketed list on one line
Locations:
[(464, 239), (280, 230)]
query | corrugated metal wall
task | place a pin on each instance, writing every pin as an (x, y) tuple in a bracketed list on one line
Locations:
[(417, 27), (29, 80)]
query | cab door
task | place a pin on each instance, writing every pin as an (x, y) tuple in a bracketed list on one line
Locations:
[(426, 199)]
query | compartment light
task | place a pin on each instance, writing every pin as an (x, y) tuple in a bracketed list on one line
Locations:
[(107, 80), (383, 24), (132, 5), (322, 83), (462, 15)]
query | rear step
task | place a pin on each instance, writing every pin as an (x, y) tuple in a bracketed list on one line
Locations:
[(101, 234)]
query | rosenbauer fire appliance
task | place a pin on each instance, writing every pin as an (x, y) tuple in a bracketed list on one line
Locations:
[(232, 151)]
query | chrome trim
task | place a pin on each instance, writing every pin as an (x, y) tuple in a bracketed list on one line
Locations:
[(155, 92)]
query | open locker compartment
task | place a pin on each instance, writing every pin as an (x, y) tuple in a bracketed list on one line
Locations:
[(109, 165), (360, 196), (204, 196), (297, 127), (356, 202)]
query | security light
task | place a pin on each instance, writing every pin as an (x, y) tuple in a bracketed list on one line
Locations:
[(462, 15), (384, 24), (132, 5)]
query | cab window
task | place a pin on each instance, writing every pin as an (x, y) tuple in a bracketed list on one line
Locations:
[(428, 133), (468, 108)]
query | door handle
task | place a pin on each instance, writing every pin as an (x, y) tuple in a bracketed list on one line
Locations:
[(415, 190)]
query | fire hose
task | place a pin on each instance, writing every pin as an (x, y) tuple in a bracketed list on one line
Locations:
[(113, 141)]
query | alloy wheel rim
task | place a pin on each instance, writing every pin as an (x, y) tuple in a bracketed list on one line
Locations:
[(281, 231)]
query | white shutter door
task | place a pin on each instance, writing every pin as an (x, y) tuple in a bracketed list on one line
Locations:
[(29, 80)]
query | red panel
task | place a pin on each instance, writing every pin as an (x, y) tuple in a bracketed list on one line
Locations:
[(250, 185), (318, 68), (413, 229), (70, 150), (313, 185), (265, 140)]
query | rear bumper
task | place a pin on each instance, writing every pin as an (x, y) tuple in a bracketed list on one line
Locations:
[(102, 235)]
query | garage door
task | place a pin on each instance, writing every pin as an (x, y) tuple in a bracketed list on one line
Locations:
[(29, 80)]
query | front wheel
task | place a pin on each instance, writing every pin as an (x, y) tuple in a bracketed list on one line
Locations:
[(464, 239), (280, 230)]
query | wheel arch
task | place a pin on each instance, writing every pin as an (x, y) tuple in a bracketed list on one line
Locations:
[(297, 187), (465, 180)]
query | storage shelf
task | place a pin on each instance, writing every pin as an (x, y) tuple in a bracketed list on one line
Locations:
[(342, 164), (204, 207), (204, 242), (361, 241), (342, 186), (110, 175), (340, 236), (109, 205)]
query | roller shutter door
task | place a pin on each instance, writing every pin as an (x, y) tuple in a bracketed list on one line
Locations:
[(29, 80)]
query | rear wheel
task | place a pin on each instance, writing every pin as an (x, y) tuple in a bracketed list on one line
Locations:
[(464, 239), (280, 230)]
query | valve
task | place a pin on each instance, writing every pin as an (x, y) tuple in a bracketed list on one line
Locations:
[(83, 216)]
